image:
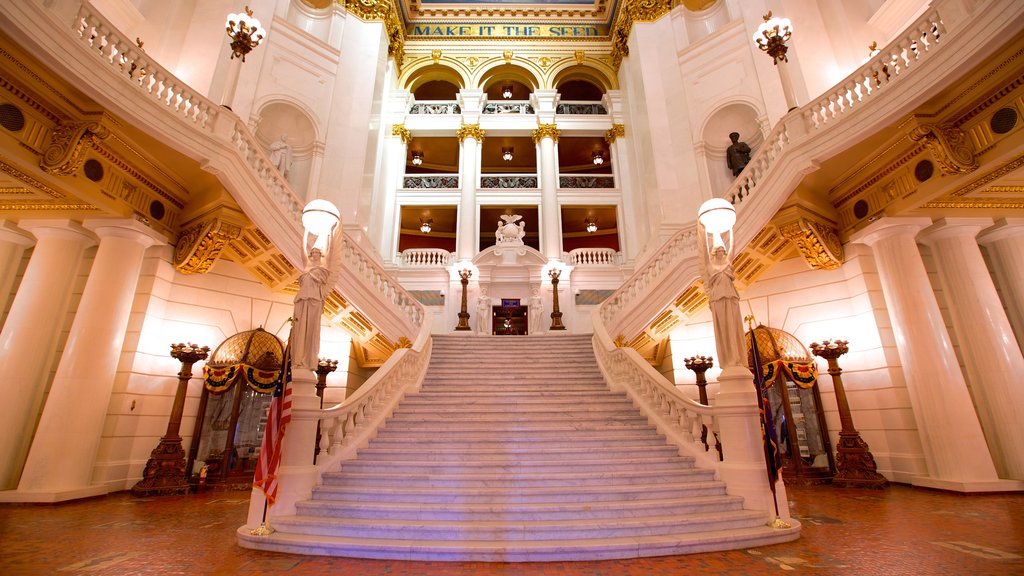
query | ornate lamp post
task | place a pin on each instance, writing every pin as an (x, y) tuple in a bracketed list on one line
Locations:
[(165, 470), (465, 274), (246, 33), (700, 365), (771, 38), (855, 464), (556, 314), (323, 368)]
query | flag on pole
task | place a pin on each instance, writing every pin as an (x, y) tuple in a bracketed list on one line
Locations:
[(279, 414), (772, 457)]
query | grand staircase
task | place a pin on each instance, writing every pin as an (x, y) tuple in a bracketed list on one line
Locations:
[(514, 450)]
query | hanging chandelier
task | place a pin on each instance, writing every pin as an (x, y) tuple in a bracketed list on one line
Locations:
[(598, 156), (772, 35), (506, 153), (245, 32), (425, 225), (417, 158)]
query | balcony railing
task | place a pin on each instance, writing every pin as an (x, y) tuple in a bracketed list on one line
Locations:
[(593, 257), (431, 181), (435, 107), (580, 108), (585, 181), (425, 257), (508, 107), (508, 181)]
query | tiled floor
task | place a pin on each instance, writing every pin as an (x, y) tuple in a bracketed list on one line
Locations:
[(857, 532)]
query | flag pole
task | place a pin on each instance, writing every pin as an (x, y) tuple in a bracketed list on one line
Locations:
[(768, 442)]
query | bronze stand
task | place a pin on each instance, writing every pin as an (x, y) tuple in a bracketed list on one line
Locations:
[(463, 314), (323, 368), (556, 314), (700, 365), (855, 465), (165, 471)]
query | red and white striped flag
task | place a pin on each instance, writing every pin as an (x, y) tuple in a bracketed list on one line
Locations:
[(279, 414)]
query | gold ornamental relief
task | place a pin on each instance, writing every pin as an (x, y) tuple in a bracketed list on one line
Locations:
[(546, 131), (818, 244), (470, 131), (66, 152), (949, 145), (402, 132), (200, 246), (615, 132)]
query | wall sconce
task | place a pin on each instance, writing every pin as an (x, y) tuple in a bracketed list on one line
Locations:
[(425, 225), (506, 153), (506, 91), (417, 157), (598, 156), (772, 35), (245, 32), (591, 225)]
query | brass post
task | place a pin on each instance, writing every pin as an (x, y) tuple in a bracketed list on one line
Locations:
[(465, 274), (556, 314)]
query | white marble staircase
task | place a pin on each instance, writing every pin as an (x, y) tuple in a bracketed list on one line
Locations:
[(514, 450)]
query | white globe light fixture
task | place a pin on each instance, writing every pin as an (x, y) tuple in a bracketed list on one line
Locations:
[(320, 218), (717, 216)]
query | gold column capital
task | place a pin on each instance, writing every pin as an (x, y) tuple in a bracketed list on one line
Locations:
[(546, 131), (471, 131), (616, 131), (402, 132)]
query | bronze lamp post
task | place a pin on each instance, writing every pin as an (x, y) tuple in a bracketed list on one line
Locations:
[(324, 367), (165, 471), (700, 365), (855, 465), (465, 274), (556, 314)]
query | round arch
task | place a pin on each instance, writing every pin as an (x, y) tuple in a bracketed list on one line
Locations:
[(591, 72), (517, 70), (425, 70), (736, 115)]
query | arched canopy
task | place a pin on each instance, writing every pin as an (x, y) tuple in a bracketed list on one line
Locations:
[(780, 352), (254, 357)]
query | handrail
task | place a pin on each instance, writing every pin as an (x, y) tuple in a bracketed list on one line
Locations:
[(678, 417), (593, 257), (351, 424)]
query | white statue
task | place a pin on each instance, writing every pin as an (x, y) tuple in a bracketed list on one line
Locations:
[(536, 312), (508, 232), (315, 284), (725, 309), (483, 312), (281, 155)]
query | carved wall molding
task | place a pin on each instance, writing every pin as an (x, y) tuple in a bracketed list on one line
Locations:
[(818, 243), (68, 142), (200, 246), (949, 145), (546, 131)]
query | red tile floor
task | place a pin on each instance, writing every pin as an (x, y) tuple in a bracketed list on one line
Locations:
[(897, 531)]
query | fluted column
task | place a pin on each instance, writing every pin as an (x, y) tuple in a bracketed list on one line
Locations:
[(394, 169), (470, 136), (30, 334), (546, 138), (990, 352), (1005, 245), (950, 433), (76, 406), (635, 228), (13, 242)]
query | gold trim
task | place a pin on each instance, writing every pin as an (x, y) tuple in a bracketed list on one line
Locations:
[(384, 11), (616, 131), (68, 142), (402, 132), (471, 131), (949, 145), (200, 246), (546, 131), (27, 179), (993, 175), (633, 11), (818, 244), (989, 203)]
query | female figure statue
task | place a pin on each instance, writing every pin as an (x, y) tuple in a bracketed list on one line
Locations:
[(309, 307)]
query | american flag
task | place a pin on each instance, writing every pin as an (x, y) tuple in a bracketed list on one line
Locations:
[(772, 456), (279, 414)]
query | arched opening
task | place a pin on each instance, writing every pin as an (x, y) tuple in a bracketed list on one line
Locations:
[(288, 135), (737, 117), (436, 90)]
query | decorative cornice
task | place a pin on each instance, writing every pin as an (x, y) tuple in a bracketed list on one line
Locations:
[(385, 11), (471, 131), (200, 246), (949, 145), (818, 243), (616, 131), (546, 131), (68, 142), (993, 175), (402, 132), (633, 11)]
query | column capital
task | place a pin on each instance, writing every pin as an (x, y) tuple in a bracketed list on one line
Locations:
[(889, 227), (127, 228), (9, 232), (953, 228), (58, 228), (402, 132), (1004, 228), (546, 131), (473, 131), (615, 132)]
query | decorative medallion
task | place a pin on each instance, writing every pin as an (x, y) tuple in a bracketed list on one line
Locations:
[(435, 55), (68, 142), (949, 145), (470, 131), (200, 246), (546, 131), (580, 56), (507, 55)]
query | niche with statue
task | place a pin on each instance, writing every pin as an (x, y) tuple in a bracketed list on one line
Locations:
[(238, 382), (791, 379)]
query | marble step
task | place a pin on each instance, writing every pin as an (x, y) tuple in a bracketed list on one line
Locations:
[(517, 512), (516, 412), (419, 549), (498, 452), (595, 495), (593, 441), (525, 530), (419, 467), (513, 480), (516, 432)]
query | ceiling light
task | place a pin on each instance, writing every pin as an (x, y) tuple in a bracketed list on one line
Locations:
[(425, 225), (598, 157), (417, 158), (506, 153), (591, 225), (506, 91)]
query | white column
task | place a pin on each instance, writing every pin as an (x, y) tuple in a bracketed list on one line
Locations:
[(13, 242), (30, 333), (76, 406), (550, 217), (394, 169), (1005, 246), (469, 162), (950, 433), (634, 226), (991, 356)]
